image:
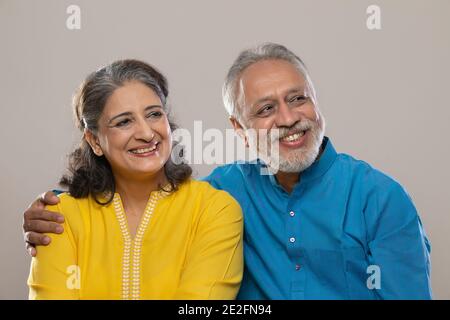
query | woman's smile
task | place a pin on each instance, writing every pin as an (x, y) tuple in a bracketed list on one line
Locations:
[(135, 134), (145, 150)]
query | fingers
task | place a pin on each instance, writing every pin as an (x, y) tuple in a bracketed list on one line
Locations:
[(38, 221), (36, 239), (40, 214), (31, 249), (42, 226), (49, 198)]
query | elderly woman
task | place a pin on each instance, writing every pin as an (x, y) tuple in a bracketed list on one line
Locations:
[(136, 225)]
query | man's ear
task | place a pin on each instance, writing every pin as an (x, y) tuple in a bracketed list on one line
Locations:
[(93, 142), (239, 128)]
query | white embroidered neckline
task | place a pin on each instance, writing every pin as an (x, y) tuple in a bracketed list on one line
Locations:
[(131, 259)]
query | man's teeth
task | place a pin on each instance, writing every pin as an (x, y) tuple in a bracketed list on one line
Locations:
[(293, 137), (140, 151)]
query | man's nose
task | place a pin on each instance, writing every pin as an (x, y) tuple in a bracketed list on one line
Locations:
[(285, 116), (143, 130)]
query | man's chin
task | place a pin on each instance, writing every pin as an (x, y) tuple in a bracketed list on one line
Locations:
[(295, 163)]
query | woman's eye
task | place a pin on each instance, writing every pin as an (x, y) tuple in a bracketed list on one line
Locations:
[(123, 123), (155, 114)]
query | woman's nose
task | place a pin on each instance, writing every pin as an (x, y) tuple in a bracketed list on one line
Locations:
[(143, 131)]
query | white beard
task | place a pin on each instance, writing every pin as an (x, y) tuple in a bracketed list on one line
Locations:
[(296, 160)]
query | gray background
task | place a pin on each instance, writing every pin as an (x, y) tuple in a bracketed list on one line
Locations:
[(384, 93)]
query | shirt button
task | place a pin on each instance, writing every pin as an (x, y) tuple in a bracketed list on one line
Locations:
[(298, 267), (292, 213), (292, 240)]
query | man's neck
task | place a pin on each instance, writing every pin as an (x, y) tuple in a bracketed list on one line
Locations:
[(288, 180)]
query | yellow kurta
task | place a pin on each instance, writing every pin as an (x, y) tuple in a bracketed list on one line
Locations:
[(188, 246)]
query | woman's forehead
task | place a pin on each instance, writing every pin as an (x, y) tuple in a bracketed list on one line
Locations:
[(131, 97)]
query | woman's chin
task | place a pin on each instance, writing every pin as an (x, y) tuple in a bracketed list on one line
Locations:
[(140, 173)]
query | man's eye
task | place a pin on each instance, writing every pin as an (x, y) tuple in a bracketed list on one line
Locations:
[(264, 110), (123, 123), (298, 99)]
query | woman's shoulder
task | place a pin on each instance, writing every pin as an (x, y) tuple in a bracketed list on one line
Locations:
[(206, 198), (68, 201), (73, 209), (205, 191)]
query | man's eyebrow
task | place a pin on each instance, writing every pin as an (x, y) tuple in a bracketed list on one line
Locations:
[(129, 113), (296, 90), (271, 97), (263, 99)]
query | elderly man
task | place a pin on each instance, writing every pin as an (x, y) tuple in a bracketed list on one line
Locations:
[(320, 225)]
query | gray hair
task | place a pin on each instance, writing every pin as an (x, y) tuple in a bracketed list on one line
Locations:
[(264, 51), (99, 86), (89, 174)]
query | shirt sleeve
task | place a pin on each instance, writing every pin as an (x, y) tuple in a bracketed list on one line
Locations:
[(398, 246), (54, 273), (214, 263)]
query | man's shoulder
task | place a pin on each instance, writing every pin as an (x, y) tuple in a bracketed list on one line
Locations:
[(366, 174)]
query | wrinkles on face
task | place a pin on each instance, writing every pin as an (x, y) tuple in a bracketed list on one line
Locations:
[(277, 100)]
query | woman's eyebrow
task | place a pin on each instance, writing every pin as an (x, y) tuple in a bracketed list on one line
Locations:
[(129, 113), (152, 107), (119, 115)]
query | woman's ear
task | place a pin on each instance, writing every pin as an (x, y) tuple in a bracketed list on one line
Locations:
[(93, 142), (239, 129)]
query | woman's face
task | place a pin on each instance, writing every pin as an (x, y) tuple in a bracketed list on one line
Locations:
[(133, 132)]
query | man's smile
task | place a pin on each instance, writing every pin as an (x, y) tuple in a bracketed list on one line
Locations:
[(294, 139)]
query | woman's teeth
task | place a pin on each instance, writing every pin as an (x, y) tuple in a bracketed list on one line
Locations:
[(140, 151), (293, 137)]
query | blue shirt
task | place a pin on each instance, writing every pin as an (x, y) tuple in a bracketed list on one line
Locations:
[(346, 231)]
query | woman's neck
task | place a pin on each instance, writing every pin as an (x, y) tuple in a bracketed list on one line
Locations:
[(135, 192)]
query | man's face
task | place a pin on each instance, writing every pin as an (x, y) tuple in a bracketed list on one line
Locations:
[(274, 95)]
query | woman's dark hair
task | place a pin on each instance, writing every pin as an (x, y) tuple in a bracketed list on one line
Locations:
[(89, 174)]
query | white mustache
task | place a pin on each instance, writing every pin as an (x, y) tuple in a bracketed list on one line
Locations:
[(279, 133)]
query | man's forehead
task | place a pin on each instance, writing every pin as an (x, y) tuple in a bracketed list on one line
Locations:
[(269, 77)]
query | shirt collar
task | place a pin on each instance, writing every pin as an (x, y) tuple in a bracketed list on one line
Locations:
[(319, 167)]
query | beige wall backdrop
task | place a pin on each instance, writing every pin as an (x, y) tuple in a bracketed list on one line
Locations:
[(384, 93)]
